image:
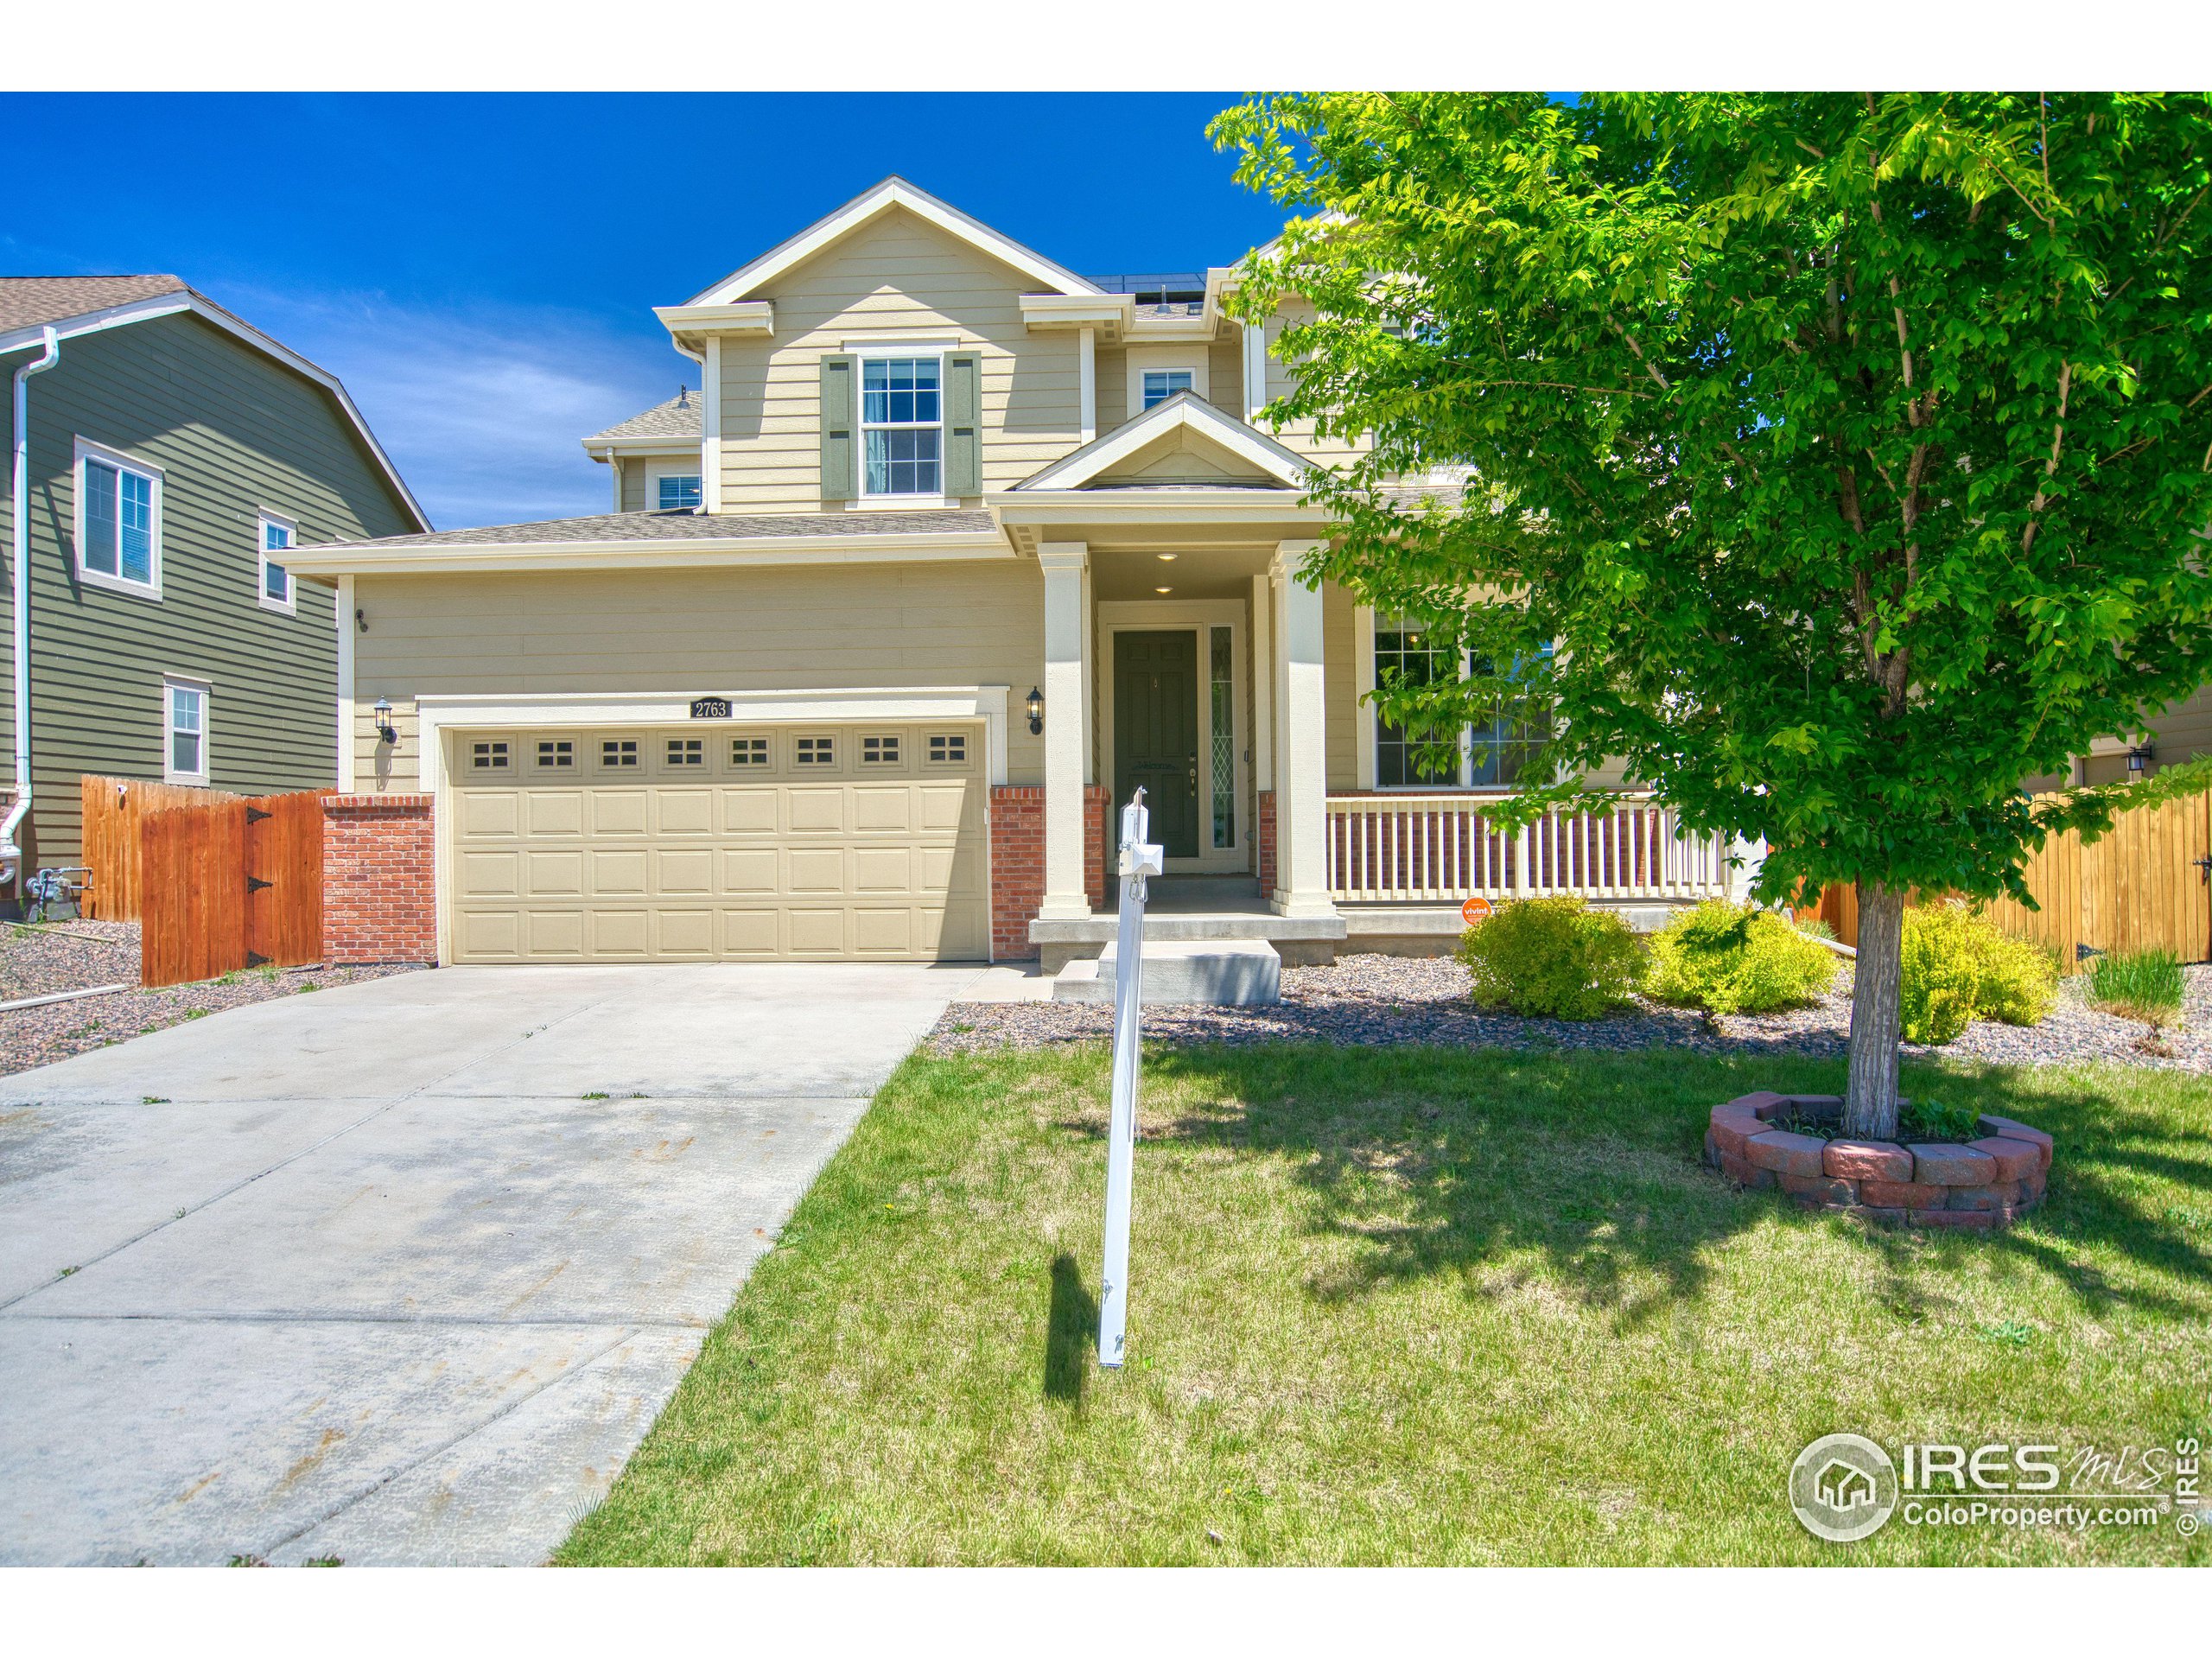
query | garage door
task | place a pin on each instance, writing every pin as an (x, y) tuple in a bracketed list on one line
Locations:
[(719, 843)]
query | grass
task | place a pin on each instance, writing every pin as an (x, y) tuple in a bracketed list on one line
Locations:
[(2144, 985), (1409, 1305)]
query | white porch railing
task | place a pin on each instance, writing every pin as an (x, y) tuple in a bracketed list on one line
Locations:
[(1439, 849)]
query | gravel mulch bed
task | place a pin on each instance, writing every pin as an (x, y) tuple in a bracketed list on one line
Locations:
[(77, 955), (1379, 1000)]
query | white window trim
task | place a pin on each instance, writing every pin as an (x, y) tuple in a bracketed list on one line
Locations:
[(290, 605), (1144, 390), (892, 351), (207, 690), (1189, 360), (87, 450), (658, 470), (1370, 718)]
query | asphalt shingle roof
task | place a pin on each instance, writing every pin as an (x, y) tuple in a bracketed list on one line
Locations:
[(676, 418), (27, 301), (696, 527)]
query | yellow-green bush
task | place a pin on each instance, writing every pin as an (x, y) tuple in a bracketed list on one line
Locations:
[(1737, 959), (1959, 966), (1556, 958)]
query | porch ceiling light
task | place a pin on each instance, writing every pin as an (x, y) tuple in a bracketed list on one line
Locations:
[(1165, 558), (1036, 708), (386, 734), (1163, 590)]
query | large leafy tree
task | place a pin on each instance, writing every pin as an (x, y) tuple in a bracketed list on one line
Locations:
[(1853, 451)]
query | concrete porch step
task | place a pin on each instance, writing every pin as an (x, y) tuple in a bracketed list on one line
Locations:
[(1234, 972)]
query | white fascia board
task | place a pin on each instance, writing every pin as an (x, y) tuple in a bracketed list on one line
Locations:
[(704, 553), (1139, 506), (893, 191), (1077, 310), (167, 305), (1182, 410), (748, 317), (648, 444)]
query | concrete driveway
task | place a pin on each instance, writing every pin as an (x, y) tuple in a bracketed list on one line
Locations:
[(402, 1272)]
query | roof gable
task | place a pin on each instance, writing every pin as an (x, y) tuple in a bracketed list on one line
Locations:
[(893, 191), (1185, 425)]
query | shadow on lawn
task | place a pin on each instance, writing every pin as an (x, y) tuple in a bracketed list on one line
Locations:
[(1070, 1333), (1451, 1161)]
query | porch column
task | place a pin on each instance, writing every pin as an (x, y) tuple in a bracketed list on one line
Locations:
[(1066, 721), (1301, 740)]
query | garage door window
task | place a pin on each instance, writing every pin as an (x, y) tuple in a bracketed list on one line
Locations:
[(948, 748), (879, 750), (818, 751), (748, 751), (557, 754), (619, 752), (687, 752), (488, 757)]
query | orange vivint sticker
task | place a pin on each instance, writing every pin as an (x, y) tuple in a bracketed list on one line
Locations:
[(1474, 910)]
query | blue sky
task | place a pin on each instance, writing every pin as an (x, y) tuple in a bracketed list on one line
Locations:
[(480, 270)]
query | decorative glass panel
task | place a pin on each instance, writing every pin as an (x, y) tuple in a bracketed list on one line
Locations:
[(1224, 744), (100, 531)]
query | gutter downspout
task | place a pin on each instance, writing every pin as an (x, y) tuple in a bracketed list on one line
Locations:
[(11, 855)]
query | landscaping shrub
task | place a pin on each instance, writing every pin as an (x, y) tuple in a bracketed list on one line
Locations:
[(1556, 958), (1737, 959), (2144, 985), (1959, 966), (1814, 928)]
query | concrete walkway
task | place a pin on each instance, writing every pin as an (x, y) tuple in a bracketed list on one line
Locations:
[(402, 1272)]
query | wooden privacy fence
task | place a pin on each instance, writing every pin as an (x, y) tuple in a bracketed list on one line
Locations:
[(2142, 887), (113, 809), (221, 882)]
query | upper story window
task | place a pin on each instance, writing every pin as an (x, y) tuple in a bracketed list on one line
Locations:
[(119, 521), (902, 425), (274, 535), (1160, 384), (673, 492), (1490, 755)]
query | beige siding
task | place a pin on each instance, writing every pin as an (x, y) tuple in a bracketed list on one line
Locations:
[(1299, 434), (693, 632), (897, 276), (1113, 377), (1226, 371), (633, 483), (2184, 731), (1340, 686)]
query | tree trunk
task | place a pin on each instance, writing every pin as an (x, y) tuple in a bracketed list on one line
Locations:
[(1870, 1103)]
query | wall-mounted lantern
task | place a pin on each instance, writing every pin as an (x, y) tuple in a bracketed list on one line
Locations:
[(1036, 706), (385, 733), (2139, 759)]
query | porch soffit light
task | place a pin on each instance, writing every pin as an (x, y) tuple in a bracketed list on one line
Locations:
[(1163, 590), (1036, 708), (1165, 558)]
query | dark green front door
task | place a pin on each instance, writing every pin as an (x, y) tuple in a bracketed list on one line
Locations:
[(1156, 734)]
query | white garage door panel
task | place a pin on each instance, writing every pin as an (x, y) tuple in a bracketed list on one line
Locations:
[(694, 844)]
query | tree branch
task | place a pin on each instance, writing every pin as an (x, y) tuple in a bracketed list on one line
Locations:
[(2051, 467)]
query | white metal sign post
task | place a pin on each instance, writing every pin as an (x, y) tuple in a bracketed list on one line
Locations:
[(1139, 859)]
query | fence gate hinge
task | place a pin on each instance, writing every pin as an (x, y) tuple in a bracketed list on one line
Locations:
[(254, 959), (255, 814), (255, 884)]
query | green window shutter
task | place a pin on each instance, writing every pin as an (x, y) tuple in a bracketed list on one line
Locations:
[(964, 423), (839, 431)]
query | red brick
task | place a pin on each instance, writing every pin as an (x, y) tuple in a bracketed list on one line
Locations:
[(378, 865), (1902, 1195), (1820, 1189), (2011, 1130), (1952, 1166), (1981, 1220), (1746, 1175), (1859, 1160), (1998, 1195), (2016, 1159), (1785, 1153), (1267, 841)]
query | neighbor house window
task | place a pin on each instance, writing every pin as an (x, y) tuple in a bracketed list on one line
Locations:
[(1160, 384), (184, 704), (119, 521), (902, 423), (1489, 755), (274, 535), (674, 492)]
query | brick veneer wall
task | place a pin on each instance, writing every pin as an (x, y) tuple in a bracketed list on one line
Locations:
[(1018, 862), (379, 902), (1267, 843)]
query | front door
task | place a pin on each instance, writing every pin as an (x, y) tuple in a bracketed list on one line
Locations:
[(1156, 733)]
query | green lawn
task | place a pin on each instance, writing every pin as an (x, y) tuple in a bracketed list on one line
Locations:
[(1409, 1305)]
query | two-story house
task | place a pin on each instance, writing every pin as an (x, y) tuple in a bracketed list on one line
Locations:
[(167, 459), (952, 546)]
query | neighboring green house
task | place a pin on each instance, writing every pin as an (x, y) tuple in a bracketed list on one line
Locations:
[(174, 453)]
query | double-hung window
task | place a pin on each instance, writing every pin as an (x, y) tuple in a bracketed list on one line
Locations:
[(184, 730), (274, 535), (676, 491), (1160, 384), (902, 426), (119, 521), (1489, 754)]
